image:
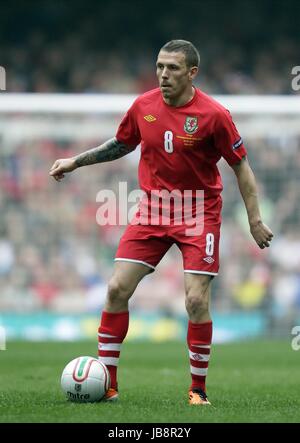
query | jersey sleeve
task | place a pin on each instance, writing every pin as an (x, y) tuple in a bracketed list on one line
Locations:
[(227, 139), (128, 131)]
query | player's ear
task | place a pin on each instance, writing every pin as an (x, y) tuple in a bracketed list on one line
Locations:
[(193, 72)]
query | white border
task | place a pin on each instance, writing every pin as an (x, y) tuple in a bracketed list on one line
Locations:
[(135, 261), (119, 103), (200, 272)]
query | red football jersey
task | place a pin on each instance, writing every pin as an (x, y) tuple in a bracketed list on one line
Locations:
[(180, 146)]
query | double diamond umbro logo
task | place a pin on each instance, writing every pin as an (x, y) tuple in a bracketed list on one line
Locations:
[(149, 118), (209, 260), (197, 357)]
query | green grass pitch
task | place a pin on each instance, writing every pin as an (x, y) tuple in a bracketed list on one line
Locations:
[(247, 382)]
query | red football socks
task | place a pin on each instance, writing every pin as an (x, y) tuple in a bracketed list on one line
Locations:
[(111, 333), (199, 338)]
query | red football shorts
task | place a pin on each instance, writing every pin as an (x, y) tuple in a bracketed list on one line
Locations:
[(147, 244)]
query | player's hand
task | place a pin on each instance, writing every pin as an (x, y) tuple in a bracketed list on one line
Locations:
[(262, 234), (61, 166)]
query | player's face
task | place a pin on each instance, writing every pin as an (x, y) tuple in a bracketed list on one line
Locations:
[(174, 76)]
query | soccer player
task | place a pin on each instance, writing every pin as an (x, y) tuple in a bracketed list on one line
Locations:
[(183, 134)]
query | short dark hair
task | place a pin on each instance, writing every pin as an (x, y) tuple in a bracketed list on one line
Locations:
[(192, 57)]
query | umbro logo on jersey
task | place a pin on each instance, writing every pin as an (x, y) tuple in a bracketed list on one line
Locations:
[(209, 260), (149, 118)]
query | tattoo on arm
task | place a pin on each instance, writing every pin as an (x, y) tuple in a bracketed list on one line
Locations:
[(110, 150)]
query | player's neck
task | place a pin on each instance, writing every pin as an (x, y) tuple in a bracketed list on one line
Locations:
[(183, 99)]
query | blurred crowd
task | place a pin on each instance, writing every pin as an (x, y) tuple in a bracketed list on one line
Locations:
[(246, 47), (54, 255), (70, 66)]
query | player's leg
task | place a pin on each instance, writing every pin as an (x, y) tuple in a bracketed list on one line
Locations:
[(140, 250), (201, 263), (126, 276), (115, 316), (199, 334)]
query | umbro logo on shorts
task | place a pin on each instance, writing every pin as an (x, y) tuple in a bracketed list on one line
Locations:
[(209, 259)]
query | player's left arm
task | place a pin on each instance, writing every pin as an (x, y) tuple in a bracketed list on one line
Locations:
[(261, 233)]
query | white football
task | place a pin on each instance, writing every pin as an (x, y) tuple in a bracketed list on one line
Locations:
[(85, 380)]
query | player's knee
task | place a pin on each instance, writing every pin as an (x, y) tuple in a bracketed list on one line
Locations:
[(117, 290), (197, 303)]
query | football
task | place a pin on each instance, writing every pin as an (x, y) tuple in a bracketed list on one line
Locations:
[(85, 380)]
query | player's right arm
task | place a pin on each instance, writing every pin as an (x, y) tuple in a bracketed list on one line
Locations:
[(110, 150)]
